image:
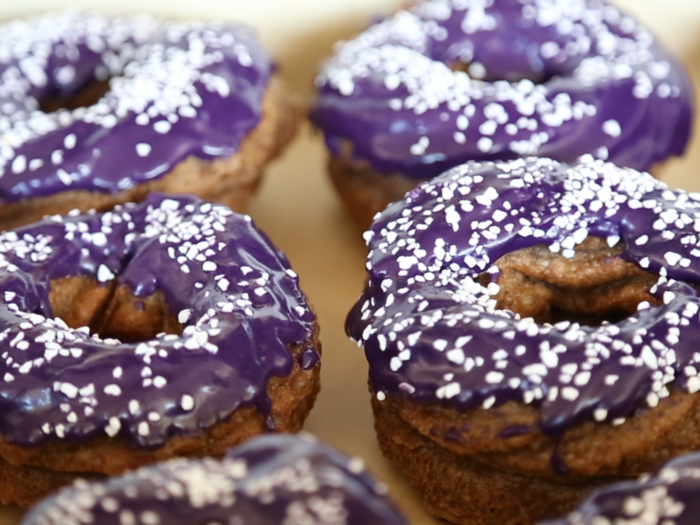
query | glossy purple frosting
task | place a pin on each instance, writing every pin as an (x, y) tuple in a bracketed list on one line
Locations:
[(670, 496), (177, 89), (433, 334), (269, 480), (552, 78), (234, 293)]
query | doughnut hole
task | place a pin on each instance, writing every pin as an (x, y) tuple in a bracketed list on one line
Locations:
[(85, 96), (592, 287), (477, 71), (79, 301), (111, 311)]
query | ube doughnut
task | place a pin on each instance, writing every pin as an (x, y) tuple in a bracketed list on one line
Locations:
[(449, 81), (270, 480), (98, 110), (667, 497), (532, 331), (168, 328)]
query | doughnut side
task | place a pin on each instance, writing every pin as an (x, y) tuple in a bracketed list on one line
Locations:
[(366, 191), (24, 485), (29, 474), (231, 181), (482, 467)]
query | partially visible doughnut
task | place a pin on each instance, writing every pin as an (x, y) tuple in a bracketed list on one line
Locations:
[(669, 496), (168, 328), (532, 331), (449, 81), (270, 480), (190, 108)]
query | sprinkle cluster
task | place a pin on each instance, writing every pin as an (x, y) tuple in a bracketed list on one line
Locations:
[(433, 333), (556, 78), (270, 480), (166, 79), (234, 294), (667, 497)]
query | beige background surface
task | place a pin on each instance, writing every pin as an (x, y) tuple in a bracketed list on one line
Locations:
[(300, 212)]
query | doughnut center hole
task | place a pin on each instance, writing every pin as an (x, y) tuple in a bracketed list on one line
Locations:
[(87, 95), (478, 72), (593, 287), (111, 310)]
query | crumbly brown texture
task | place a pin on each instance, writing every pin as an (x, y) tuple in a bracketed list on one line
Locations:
[(495, 467), (230, 181), (29, 474), (366, 191)]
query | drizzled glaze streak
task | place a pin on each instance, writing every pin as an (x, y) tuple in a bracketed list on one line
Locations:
[(432, 333), (270, 480), (179, 89), (607, 88), (233, 292), (667, 497)]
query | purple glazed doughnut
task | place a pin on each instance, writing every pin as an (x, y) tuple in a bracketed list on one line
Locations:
[(532, 331), (184, 108), (172, 327), (667, 497), (449, 81), (269, 480)]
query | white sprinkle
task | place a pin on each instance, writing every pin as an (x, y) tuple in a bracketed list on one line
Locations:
[(19, 164), (112, 429), (187, 402), (113, 390), (143, 149), (484, 144), (672, 258), (612, 128), (104, 274), (70, 141), (143, 429), (162, 126)]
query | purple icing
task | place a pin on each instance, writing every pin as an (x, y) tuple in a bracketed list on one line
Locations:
[(178, 89), (269, 480), (434, 335), (234, 293), (670, 496), (558, 78)]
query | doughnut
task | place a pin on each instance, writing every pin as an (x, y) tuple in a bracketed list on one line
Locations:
[(449, 81), (668, 497), (532, 331), (98, 110), (167, 328), (269, 480)]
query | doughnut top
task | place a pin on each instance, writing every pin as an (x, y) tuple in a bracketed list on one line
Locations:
[(667, 497), (177, 89), (235, 295), (269, 480), (433, 333), (555, 78)]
